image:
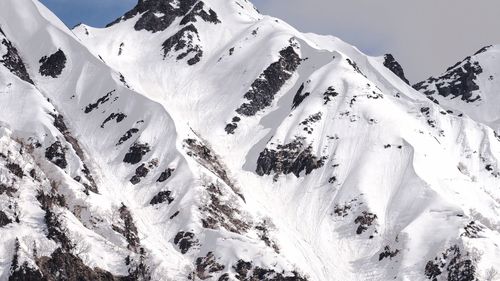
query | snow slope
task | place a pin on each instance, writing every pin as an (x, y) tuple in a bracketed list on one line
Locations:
[(202, 140)]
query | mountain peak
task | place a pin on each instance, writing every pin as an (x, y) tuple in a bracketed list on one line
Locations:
[(469, 85), (158, 15)]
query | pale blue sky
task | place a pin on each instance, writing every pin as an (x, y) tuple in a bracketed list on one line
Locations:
[(92, 12)]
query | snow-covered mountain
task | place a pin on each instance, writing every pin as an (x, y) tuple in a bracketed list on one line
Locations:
[(470, 86), (202, 140)]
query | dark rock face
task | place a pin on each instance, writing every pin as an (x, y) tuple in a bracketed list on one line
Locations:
[(136, 152), (158, 15), (263, 233), (4, 219), (307, 124), (246, 271), (482, 50), (140, 172), (56, 154), (162, 196), (122, 78), (174, 215), (299, 97), (114, 116), (454, 264), (291, 158), (55, 230), (183, 41), (143, 170), (198, 11), (100, 101), (165, 175), (393, 65), (263, 90), (472, 230), (355, 66), (26, 273), (128, 229), (388, 253), (342, 210), (364, 220), (15, 169), (138, 269), (127, 136), (206, 266), (60, 124), (150, 10), (185, 241), (329, 95), (230, 128), (457, 82), (8, 190), (13, 62), (66, 266), (53, 65)]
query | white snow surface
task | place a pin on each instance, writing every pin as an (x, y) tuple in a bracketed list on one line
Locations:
[(414, 175)]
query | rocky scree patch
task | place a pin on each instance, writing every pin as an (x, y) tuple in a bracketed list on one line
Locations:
[(221, 211), (247, 271), (204, 155), (292, 158), (161, 197), (143, 170)]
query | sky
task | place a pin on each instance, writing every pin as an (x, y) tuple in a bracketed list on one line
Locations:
[(425, 36), (95, 13)]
